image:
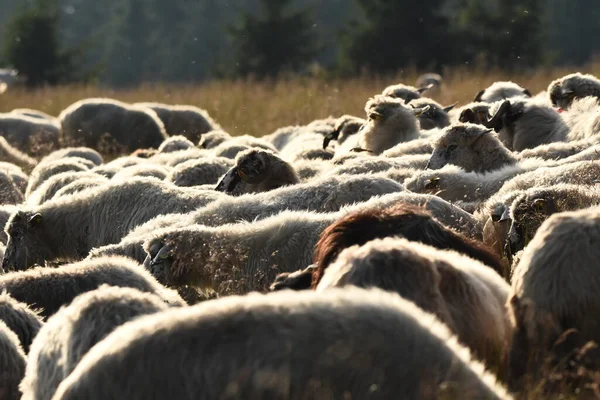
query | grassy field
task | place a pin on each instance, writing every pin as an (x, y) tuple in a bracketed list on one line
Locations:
[(258, 108)]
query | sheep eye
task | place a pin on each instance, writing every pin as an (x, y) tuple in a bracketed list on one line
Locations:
[(452, 147)]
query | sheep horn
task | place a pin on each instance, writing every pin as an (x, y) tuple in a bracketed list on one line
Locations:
[(496, 121), (450, 107), (424, 88), (229, 181)]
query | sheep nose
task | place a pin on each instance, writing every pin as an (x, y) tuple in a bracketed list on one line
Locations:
[(229, 181)]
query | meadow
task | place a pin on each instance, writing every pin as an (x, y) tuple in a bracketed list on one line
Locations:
[(258, 108)]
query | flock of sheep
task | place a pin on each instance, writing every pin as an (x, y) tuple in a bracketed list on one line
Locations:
[(419, 252)]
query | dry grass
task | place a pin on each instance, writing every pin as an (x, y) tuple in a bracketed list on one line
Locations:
[(258, 108)]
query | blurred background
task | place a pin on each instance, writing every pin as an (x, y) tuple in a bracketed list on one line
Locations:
[(355, 47)]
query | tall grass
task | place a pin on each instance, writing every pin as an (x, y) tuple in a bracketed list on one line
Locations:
[(258, 108)]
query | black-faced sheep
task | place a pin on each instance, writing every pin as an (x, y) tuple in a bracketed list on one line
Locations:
[(345, 127), (440, 282), (75, 329), (188, 121), (436, 115), (89, 121), (12, 364), (257, 171), (48, 289), (67, 228), (20, 319), (564, 90), (345, 343)]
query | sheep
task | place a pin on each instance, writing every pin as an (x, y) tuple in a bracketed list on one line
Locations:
[(33, 136), (66, 229), (45, 170), (20, 319), (410, 222), (17, 175), (48, 289), (131, 245), (530, 209), (28, 112), (432, 81), (387, 344), (454, 184), (324, 195), (257, 171), (14, 156), (89, 121), (389, 122), (143, 170), (559, 150), (501, 90), (555, 288), (12, 364), (48, 189), (564, 90), (9, 192), (80, 185), (473, 113), (522, 125), (79, 152), (310, 169), (75, 329), (213, 138), (175, 143), (345, 127), (470, 147), (200, 172), (440, 282), (231, 147), (403, 92), (188, 121), (436, 115), (144, 153)]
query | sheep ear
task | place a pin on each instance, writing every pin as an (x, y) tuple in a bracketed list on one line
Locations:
[(374, 115), (450, 107), (527, 93), (482, 134), (34, 220), (425, 88), (479, 95), (420, 111)]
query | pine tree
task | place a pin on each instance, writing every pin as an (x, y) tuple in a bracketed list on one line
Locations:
[(273, 42), (31, 44), (392, 34)]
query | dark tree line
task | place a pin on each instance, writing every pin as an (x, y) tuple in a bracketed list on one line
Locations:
[(127, 42)]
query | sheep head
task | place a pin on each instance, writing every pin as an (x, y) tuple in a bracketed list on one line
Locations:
[(403, 92), (26, 246), (463, 146), (475, 113), (568, 88)]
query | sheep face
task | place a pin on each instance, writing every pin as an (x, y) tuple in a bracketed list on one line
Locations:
[(345, 127), (476, 113), (159, 261), (563, 91), (389, 122), (25, 246), (435, 117), (460, 145), (250, 169)]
